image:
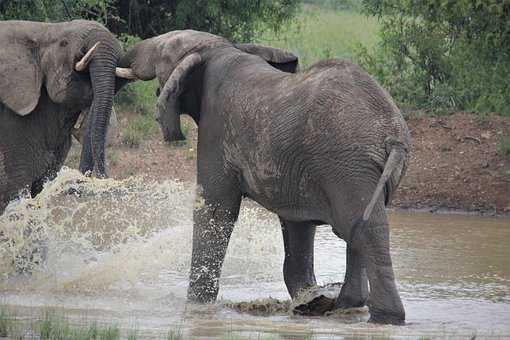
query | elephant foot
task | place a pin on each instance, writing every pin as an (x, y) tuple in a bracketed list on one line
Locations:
[(315, 301), (348, 302), (386, 318)]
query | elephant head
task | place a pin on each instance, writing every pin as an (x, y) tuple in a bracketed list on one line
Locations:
[(74, 63), (178, 59)]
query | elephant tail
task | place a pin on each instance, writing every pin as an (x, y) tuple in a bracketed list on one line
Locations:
[(395, 165)]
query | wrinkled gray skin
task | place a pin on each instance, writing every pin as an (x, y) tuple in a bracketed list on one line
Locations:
[(41, 97), (311, 147)]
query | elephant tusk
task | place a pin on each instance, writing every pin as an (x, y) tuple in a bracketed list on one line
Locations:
[(82, 64), (125, 73)]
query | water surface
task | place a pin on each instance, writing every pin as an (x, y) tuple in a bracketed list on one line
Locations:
[(119, 252)]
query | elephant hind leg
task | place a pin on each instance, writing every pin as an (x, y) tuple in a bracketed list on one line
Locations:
[(354, 292), (370, 246), (298, 271), (368, 257)]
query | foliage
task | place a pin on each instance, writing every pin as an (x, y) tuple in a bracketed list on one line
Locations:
[(236, 19), (319, 33), (139, 97), (339, 5), (139, 128), (56, 10), (439, 54)]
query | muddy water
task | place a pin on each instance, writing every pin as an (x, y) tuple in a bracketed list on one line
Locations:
[(119, 252)]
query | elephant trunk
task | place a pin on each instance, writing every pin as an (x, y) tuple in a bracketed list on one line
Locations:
[(102, 76)]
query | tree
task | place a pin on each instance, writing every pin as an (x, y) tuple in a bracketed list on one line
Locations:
[(442, 53), (235, 19)]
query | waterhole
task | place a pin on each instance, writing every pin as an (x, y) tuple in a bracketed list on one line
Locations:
[(119, 252)]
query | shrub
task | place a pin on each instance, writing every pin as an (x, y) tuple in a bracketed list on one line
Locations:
[(440, 54)]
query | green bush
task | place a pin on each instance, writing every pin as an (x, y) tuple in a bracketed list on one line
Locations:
[(235, 19), (437, 54)]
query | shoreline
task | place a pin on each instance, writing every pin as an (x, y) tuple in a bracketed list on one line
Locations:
[(449, 211)]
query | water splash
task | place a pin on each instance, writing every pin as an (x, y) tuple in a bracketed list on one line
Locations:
[(112, 235)]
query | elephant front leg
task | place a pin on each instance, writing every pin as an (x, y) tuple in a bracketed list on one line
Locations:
[(354, 292), (298, 271), (213, 224)]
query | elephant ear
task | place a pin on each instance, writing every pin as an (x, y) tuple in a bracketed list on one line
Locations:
[(20, 76), (278, 58), (168, 105)]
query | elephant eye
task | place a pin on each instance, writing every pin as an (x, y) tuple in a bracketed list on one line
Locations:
[(157, 92), (63, 43)]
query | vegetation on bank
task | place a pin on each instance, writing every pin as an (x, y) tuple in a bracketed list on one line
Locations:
[(440, 55)]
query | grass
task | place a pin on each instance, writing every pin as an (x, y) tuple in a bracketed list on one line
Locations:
[(175, 334), (54, 327), (113, 157), (504, 147), (138, 129), (321, 34), (139, 97), (4, 324)]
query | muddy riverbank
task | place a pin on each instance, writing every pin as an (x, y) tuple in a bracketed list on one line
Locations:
[(455, 163)]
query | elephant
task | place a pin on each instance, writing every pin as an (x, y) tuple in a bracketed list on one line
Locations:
[(322, 146), (49, 73)]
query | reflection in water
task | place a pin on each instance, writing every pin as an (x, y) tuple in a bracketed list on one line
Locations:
[(119, 251)]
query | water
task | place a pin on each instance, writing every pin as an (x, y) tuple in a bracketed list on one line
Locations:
[(119, 252)]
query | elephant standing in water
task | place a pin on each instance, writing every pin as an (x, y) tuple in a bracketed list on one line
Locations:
[(49, 73), (324, 146)]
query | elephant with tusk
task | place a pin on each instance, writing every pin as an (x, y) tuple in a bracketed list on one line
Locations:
[(323, 146), (49, 73)]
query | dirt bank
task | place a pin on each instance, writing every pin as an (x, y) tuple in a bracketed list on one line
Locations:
[(455, 163)]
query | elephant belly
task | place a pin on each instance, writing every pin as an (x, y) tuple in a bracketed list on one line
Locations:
[(293, 199)]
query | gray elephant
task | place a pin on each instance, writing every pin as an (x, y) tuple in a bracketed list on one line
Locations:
[(49, 73), (324, 146)]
